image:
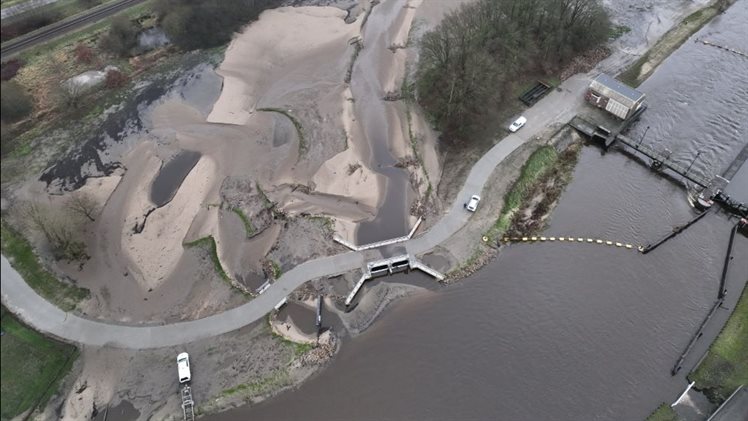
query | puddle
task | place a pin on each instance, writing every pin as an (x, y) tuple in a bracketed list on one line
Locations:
[(125, 411), (126, 124), (171, 175), (300, 316)]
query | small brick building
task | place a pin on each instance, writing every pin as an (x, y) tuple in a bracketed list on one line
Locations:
[(614, 96)]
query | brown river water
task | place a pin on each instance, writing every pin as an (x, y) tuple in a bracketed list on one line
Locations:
[(569, 332)]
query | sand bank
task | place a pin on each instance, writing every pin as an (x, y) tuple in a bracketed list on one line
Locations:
[(157, 249), (263, 54)]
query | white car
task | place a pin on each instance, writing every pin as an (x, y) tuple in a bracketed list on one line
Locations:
[(518, 123), (183, 367), (472, 204)]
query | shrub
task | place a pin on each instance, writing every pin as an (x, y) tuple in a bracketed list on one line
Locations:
[(84, 54), (121, 38), (10, 68), (14, 101), (115, 79), (61, 231)]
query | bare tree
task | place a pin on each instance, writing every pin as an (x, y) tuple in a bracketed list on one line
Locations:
[(58, 229), (83, 204)]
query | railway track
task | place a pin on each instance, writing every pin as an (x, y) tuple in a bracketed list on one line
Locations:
[(56, 29)]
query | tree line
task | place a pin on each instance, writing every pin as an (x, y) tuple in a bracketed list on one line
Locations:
[(470, 59)]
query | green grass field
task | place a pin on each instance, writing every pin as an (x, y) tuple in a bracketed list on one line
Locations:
[(726, 365), (32, 367), (21, 256)]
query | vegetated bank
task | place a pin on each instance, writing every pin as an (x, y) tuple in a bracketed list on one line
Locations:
[(725, 366), (531, 198), (472, 64), (663, 412), (21, 255), (32, 367), (641, 69)]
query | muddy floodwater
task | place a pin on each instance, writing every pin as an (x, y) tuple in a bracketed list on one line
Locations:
[(569, 331)]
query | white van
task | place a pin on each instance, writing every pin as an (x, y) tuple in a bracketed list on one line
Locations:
[(183, 367)]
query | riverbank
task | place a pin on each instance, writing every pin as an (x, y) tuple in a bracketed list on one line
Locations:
[(640, 70), (543, 290), (26, 262), (725, 367), (529, 200), (663, 413), (240, 222), (245, 366), (279, 215)]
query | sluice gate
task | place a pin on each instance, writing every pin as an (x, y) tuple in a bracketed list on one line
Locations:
[(660, 160), (389, 266)]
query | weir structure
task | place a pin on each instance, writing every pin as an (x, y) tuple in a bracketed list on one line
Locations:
[(660, 159), (389, 266), (712, 189), (378, 244)]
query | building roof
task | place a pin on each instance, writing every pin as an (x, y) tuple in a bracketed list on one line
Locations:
[(619, 87)]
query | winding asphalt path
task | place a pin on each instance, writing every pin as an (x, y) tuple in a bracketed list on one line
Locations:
[(558, 107)]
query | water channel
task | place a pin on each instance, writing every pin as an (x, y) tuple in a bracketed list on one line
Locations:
[(380, 120), (569, 332)]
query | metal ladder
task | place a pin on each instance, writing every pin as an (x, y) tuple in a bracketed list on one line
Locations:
[(188, 404)]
